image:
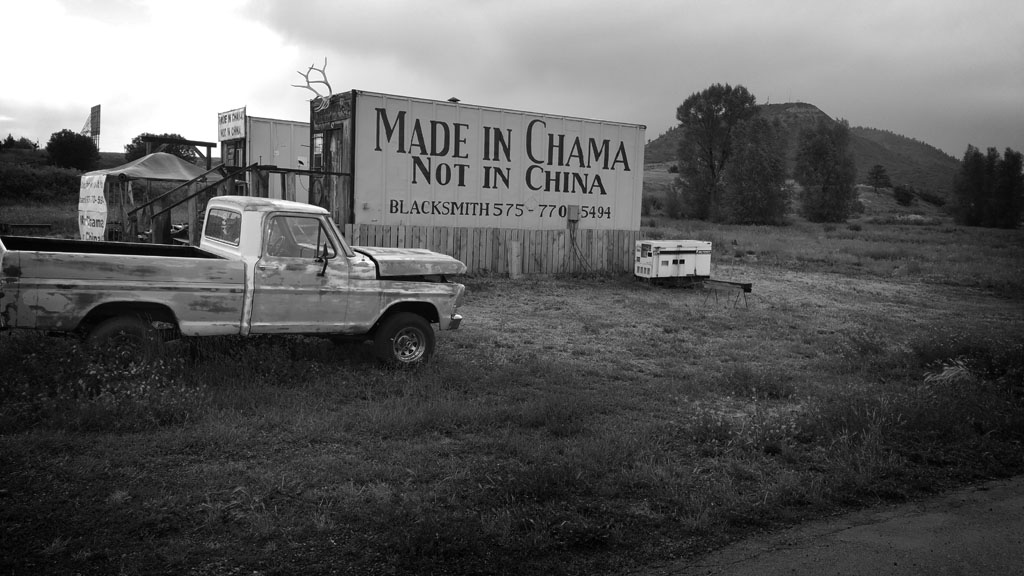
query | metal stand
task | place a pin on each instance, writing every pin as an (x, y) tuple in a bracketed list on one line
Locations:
[(740, 288), (708, 285)]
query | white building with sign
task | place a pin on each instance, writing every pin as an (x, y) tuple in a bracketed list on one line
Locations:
[(503, 190), (247, 140)]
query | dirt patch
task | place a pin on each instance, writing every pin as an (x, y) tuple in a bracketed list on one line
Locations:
[(971, 531)]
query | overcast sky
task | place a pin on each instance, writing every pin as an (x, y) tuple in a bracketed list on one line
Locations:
[(946, 72)]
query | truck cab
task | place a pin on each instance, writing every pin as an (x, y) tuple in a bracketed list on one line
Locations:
[(303, 277)]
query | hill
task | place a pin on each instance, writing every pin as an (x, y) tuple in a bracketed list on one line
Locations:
[(41, 158), (906, 160)]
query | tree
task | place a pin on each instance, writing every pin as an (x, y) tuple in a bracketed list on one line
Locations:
[(989, 190), (878, 177), (707, 120), (826, 171), (754, 190), (137, 148), (22, 143), (69, 149)]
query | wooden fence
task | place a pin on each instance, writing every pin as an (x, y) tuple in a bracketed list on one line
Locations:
[(511, 251)]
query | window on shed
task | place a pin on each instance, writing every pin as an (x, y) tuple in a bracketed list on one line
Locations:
[(318, 151)]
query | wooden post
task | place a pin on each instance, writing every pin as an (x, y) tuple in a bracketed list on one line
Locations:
[(161, 224), (288, 185), (515, 260), (260, 184)]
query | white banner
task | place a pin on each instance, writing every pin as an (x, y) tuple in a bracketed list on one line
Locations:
[(231, 124), (92, 207)]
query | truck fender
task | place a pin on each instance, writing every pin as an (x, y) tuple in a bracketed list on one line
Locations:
[(159, 316)]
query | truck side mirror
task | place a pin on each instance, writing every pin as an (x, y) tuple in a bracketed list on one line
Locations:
[(323, 257)]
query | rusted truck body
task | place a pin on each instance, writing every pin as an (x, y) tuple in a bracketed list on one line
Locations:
[(262, 267)]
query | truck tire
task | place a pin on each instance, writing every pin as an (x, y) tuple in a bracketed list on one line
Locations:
[(125, 340), (404, 340)]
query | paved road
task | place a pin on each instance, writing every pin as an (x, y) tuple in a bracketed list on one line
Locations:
[(975, 531)]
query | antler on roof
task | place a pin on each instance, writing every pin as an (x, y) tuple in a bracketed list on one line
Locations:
[(324, 98)]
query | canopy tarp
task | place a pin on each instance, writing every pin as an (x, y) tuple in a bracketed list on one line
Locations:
[(155, 166), (106, 195)]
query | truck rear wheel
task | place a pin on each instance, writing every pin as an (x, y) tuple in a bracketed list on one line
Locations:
[(404, 339), (125, 340)]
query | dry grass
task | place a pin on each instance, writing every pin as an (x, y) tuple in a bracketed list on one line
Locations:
[(57, 220), (572, 426)]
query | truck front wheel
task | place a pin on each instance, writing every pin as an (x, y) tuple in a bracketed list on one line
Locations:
[(404, 339), (125, 340)]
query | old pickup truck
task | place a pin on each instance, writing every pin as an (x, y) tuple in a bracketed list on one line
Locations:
[(262, 267)]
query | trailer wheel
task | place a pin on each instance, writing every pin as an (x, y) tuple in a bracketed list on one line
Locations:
[(404, 340), (125, 340)]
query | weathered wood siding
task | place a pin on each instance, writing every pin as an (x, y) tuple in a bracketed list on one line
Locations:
[(491, 250)]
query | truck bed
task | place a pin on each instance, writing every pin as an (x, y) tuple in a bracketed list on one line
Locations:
[(30, 244), (53, 284)]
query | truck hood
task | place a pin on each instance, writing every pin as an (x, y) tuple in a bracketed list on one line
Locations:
[(411, 261)]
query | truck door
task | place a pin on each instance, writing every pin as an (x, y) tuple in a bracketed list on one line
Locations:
[(293, 291)]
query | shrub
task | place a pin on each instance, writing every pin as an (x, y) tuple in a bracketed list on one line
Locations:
[(931, 198), (904, 194), (908, 219), (649, 205), (856, 207), (22, 143), (674, 202), (37, 183)]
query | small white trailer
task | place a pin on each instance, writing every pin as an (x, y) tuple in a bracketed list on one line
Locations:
[(684, 263), (657, 259)]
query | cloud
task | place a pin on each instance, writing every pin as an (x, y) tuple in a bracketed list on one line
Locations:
[(943, 71)]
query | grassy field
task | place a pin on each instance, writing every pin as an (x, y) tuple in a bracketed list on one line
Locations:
[(588, 425)]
